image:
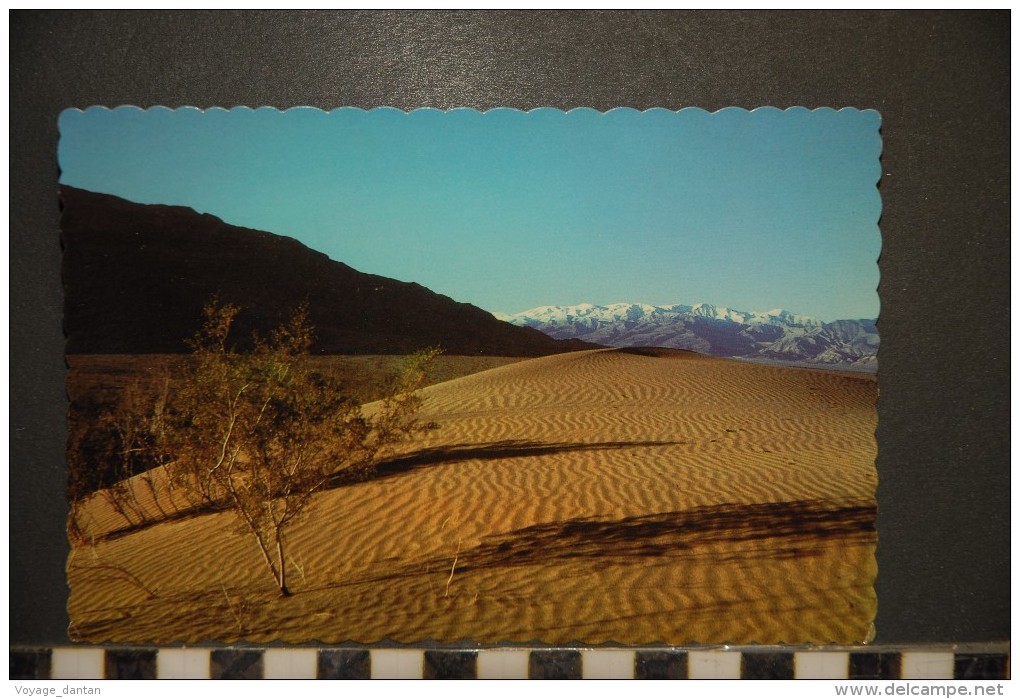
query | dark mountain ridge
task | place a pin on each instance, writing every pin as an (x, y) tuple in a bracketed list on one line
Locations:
[(136, 277)]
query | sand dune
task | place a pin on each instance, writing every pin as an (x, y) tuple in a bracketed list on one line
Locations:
[(628, 496)]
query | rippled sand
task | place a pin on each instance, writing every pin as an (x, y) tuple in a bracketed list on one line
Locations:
[(620, 495)]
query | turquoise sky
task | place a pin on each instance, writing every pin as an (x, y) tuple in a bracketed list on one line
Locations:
[(510, 210)]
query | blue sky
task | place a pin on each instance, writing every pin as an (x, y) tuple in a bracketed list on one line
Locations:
[(510, 210)]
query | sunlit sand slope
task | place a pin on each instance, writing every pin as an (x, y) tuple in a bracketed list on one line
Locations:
[(634, 496)]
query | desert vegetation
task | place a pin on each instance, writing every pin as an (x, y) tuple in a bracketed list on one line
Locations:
[(256, 433)]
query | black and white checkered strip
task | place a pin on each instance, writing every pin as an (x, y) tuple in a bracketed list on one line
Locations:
[(352, 663)]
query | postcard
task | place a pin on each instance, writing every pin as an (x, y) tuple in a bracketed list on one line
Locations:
[(471, 377)]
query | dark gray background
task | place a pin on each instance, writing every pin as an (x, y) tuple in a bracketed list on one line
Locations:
[(941, 81)]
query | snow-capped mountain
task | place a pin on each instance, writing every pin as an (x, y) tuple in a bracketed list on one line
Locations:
[(777, 334)]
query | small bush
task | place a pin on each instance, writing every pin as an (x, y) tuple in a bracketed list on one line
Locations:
[(257, 432)]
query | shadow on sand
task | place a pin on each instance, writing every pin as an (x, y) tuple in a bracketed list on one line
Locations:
[(802, 528), (492, 451), (672, 533), (406, 463)]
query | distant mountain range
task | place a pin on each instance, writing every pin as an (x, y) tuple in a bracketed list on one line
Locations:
[(724, 332), (137, 276)]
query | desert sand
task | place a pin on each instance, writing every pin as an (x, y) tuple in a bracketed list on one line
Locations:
[(631, 496)]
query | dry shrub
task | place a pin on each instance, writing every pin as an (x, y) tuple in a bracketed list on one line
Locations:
[(257, 432)]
